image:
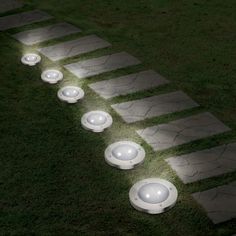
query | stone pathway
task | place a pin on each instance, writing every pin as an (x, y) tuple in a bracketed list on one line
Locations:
[(219, 202), (87, 68), (141, 109), (182, 131), (204, 164), (9, 5), (39, 35), (74, 47), (21, 19), (128, 84)]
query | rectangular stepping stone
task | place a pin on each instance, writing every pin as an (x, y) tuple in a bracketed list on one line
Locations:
[(21, 19), (87, 68), (204, 164), (7, 5), (154, 106), (219, 203), (182, 131), (39, 35), (128, 84), (74, 47)]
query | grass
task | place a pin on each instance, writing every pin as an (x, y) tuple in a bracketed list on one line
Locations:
[(53, 178)]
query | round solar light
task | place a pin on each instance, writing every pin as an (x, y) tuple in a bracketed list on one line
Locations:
[(30, 59), (124, 155), (51, 76), (96, 121), (153, 196), (70, 94)]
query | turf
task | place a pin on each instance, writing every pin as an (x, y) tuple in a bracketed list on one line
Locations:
[(53, 178)]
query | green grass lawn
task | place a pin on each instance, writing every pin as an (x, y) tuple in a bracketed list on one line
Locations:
[(53, 178)]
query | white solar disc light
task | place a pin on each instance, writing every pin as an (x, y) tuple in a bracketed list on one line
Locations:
[(51, 76), (30, 59), (153, 196), (96, 121), (70, 94), (124, 155)]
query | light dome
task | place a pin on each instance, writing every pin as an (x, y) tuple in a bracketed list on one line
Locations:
[(30, 59), (96, 121), (125, 152), (153, 196), (153, 193), (124, 155), (70, 94), (51, 76)]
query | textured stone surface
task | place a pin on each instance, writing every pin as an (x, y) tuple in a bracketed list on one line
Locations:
[(102, 64), (219, 203), (39, 35), (182, 131), (128, 84), (7, 5), (74, 47), (204, 164), (154, 106), (21, 19)]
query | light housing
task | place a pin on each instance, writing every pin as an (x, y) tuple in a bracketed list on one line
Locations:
[(153, 196), (30, 59), (70, 94), (124, 155), (96, 121), (52, 76)]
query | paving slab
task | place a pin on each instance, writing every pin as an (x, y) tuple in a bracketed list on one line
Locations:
[(182, 131), (219, 203), (74, 47), (21, 19), (154, 106), (39, 35), (87, 68), (128, 84), (205, 164), (8, 5)]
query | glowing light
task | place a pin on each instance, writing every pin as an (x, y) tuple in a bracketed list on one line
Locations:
[(124, 155), (70, 94), (153, 195), (51, 76), (30, 59), (96, 121)]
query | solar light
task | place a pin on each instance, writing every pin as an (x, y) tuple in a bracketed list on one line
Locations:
[(70, 94), (153, 196), (124, 155), (30, 59), (96, 121), (51, 76)]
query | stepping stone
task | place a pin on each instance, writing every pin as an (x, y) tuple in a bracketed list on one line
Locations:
[(204, 164), (39, 35), (73, 48), (154, 106), (7, 5), (84, 69), (219, 203), (182, 131), (21, 19), (128, 84)]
